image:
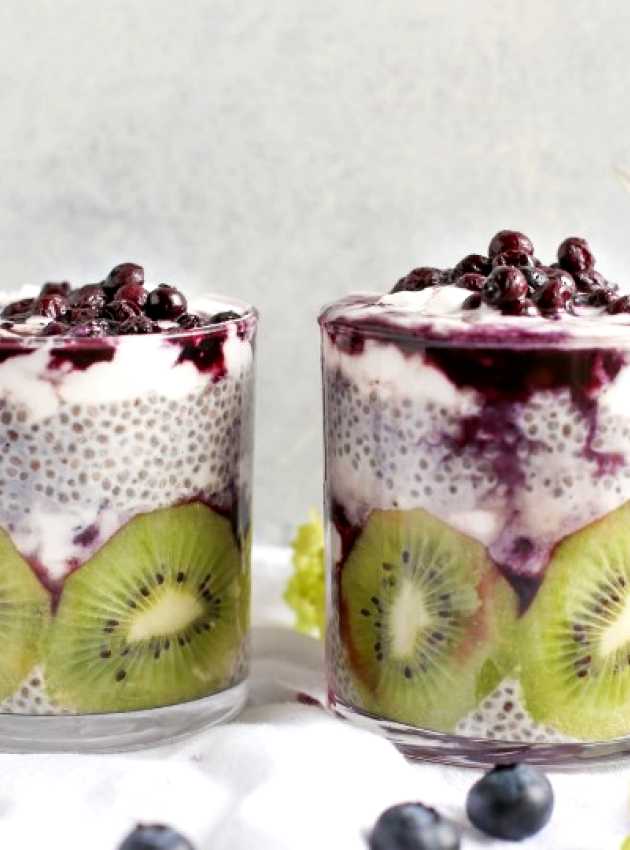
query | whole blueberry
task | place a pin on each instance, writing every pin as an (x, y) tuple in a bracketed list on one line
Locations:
[(412, 826), (418, 279), (138, 325), (132, 292), (55, 289), (520, 259), (574, 255), (155, 836), (473, 302), (472, 264), (21, 308), (165, 302), (121, 275), (225, 316), (510, 802), (504, 284), (555, 294), (119, 310), (536, 278), (619, 305), (472, 281), (509, 240), (51, 306), (91, 295), (188, 321), (93, 328)]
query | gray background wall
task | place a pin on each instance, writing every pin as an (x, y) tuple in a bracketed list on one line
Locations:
[(292, 150)]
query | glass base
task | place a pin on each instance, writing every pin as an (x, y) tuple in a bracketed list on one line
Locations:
[(423, 744), (112, 733)]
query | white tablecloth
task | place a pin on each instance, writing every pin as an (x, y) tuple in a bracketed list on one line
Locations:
[(284, 776)]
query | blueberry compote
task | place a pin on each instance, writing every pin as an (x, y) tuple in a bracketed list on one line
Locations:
[(477, 439), (125, 486)]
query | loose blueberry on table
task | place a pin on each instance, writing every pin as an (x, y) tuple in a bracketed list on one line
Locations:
[(155, 837), (119, 305), (514, 282), (511, 802), (413, 826)]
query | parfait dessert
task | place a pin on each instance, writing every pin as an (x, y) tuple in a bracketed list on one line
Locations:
[(477, 451), (125, 486)]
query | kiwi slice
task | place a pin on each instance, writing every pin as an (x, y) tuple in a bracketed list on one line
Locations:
[(154, 618), (24, 616), (575, 640), (423, 612)]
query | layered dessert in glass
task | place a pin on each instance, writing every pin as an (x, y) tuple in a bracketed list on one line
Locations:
[(477, 465), (126, 419)]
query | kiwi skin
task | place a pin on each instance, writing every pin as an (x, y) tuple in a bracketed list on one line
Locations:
[(154, 618), (570, 681), (24, 617), (483, 602)]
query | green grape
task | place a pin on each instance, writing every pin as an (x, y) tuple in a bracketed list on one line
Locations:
[(306, 589)]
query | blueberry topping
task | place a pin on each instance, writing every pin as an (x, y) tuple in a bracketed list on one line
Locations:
[(555, 294), (536, 278), (51, 306), (505, 284), (472, 264), (139, 325), (91, 296), (509, 240), (412, 826), (154, 836), (55, 329), (93, 328), (81, 315), (132, 292), (165, 302), (519, 259), (188, 321), (619, 305), (418, 279), (473, 302), (55, 289), (119, 310), (121, 275), (472, 281), (226, 316), (574, 255), (525, 307), (511, 802), (588, 281), (19, 309)]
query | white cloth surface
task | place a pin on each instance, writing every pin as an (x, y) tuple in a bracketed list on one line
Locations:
[(283, 776)]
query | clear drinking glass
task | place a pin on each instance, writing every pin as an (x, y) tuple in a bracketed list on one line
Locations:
[(477, 495), (125, 529)]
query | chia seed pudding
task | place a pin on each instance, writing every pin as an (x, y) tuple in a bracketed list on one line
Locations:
[(477, 460), (126, 447)]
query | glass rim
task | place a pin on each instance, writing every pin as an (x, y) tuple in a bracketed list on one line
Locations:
[(246, 322)]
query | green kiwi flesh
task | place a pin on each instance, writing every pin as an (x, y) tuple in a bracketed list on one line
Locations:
[(575, 639), (24, 616), (425, 618), (153, 618)]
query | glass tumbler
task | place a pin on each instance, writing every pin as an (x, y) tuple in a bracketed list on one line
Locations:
[(125, 493), (477, 491)]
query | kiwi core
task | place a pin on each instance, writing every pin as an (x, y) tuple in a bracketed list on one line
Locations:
[(409, 617), (617, 634), (169, 614)]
